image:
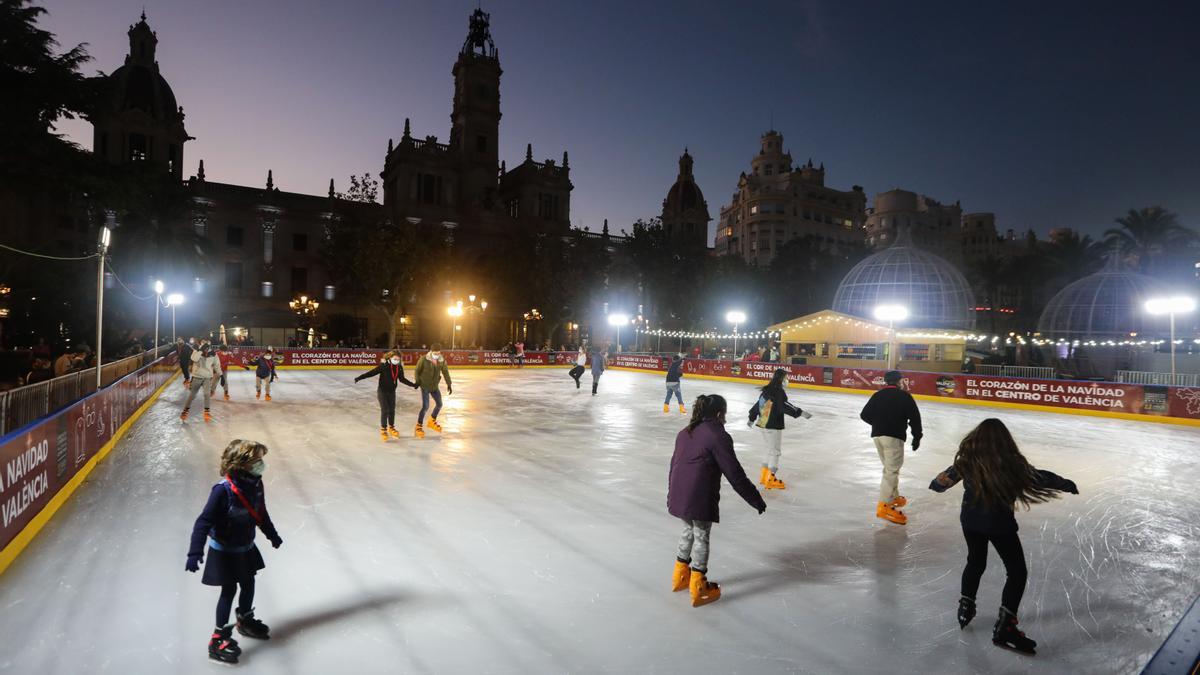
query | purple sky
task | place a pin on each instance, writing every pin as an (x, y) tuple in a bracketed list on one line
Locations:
[(1049, 116)]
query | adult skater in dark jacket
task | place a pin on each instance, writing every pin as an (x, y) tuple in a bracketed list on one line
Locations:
[(264, 372), (184, 349), (768, 412), (391, 373), (890, 411), (703, 453), (236, 507), (995, 476)]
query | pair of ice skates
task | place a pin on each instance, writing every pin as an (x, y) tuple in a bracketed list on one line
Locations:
[(702, 590), (770, 481), (418, 431), (257, 395), (1004, 631), (184, 415), (667, 408), (890, 511), (223, 648)]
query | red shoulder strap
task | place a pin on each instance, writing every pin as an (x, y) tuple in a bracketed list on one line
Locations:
[(242, 498)]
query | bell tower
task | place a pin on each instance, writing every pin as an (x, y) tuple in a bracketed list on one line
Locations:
[(475, 119)]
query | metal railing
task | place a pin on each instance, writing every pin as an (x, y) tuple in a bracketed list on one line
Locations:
[(23, 405), (1036, 372), (1166, 379)]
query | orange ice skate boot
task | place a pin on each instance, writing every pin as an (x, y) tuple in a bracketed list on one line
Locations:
[(268, 397), (762, 477), (899, 502), (682, 410), (433, 424), (383, 434), (418, 431), (392, 431), (773, 482), (183, 415), (679, 579), (703, 590), (666, 407), (207, 416), (885, 511)]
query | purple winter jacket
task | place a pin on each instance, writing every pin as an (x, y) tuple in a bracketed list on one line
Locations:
[(694, 484)]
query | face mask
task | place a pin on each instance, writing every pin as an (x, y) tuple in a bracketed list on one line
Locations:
[(395, 361), (257, 468), (435, 357)]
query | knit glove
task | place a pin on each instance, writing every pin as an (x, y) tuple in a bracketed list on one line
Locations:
[(806, 415), (916, 443), (276, 541), (764, 508), (193, 563), (1069, 486), (449, 391)]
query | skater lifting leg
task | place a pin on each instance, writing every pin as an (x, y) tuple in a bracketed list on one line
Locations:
[(995, 475), (390, 373)]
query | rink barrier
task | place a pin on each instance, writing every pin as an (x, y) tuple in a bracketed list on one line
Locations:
[(43, 463), (1180, 652), (1155, 403)]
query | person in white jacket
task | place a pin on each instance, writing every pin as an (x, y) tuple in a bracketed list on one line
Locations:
[(206, 368), (580, 366)]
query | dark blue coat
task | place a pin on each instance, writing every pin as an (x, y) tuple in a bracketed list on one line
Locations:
[(226, 520), (266, 367), (701, 457)]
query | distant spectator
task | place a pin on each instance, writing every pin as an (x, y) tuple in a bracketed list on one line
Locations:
[(41, 350), (40, 372)]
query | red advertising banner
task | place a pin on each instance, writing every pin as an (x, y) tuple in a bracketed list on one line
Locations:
[(37, 461)]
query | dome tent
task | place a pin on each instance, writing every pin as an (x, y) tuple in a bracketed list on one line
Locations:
[(1108, 304), (934, 292)]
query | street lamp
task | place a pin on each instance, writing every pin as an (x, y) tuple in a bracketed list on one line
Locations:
[(102, 249), (474, 305), (173, 300), (454, 311), (158, 289), (891, 314), (618, 320), (735, 317), (531, 315), (1179, 304)]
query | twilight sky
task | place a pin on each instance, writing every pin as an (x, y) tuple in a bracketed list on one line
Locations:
[(1048, 114)]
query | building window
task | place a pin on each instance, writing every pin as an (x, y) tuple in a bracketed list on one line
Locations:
[(769, 170), (268, 289), (429, 188), (233, 276), (299, 280), (514, 208), (137, 147), (299, 242), (233, 235), (754, 209), (547, 206), (330, 292)]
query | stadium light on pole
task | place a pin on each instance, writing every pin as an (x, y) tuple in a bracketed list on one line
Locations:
[(1179, 304), (618, 320), (454, 311), (158, 289), (102, 249), (173, 300), (891, 314), (735, 317)]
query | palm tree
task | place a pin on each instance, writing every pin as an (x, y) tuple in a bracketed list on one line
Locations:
[(1148, 235), (1074, 257)]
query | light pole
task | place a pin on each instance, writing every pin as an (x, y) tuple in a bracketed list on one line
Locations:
[(735, 317), (891, 314), (102, 249), (158, 289), (473, 307), (454, 311), (1179, 304), (172, 300), (618, 320)]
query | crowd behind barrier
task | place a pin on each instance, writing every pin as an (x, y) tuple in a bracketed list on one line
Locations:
[(39, 460)]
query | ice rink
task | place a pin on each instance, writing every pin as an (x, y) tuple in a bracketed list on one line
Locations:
[(532, 537)]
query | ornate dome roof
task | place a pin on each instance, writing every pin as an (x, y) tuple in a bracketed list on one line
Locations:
[(935, 293), (140, 87), (1107, 304), (684, 195)]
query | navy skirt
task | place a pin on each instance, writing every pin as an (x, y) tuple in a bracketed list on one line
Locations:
[(223, 567)]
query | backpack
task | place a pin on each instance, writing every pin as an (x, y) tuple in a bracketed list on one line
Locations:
[(764, 411)]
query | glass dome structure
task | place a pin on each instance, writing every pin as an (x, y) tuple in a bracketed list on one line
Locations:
[(934, 292), (1108, 304)]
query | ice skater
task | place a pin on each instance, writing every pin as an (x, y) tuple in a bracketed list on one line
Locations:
[(890, 411), (995, 476), (674, 374), (205, 371), (431, 367), (236, 507), (767, 413), (184, 350), (598, 363), (264, 372), (703, 453), (519, 348), (580, 366), (391, 373), (224, 358)]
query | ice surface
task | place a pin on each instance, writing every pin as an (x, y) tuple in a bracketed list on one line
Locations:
[(532, 537)]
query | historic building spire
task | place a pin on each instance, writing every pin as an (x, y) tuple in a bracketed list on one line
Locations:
[(685, 213)]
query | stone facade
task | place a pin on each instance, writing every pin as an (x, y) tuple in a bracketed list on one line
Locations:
[(685, 213), (777, 202), (935, 227)]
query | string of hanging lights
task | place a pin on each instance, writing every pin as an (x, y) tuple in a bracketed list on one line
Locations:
[(708, 335)]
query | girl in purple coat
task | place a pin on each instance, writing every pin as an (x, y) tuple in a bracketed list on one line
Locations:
[(236, 508), (703, 453)]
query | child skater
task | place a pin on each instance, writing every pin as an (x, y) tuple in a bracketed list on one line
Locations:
[(391, 373), (703, 453), (768, 411), (674, 374), (995, 476), (580, 366), (205, 369), (225, 357), (264, 372), (428, 373), (236, 506)]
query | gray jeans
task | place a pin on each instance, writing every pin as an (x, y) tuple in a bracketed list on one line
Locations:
[(693, 544), (774, 440), (198, 383)]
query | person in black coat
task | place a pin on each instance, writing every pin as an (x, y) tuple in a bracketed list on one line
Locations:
[(890, 411), (236, 508), (768, 412), (703, 453), (391, 373), (995, 476), (674, 375)]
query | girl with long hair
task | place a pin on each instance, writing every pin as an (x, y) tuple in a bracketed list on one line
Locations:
[(390, 372), (995, 476), (767, 412), (703, 453)]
